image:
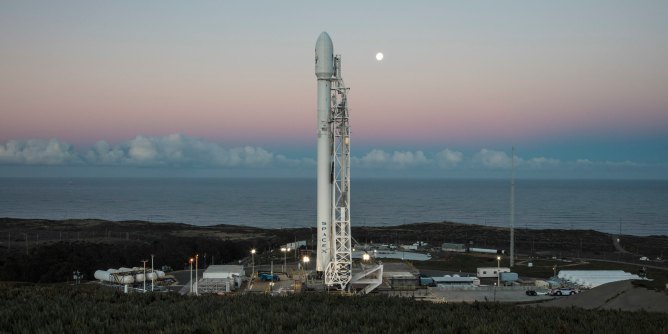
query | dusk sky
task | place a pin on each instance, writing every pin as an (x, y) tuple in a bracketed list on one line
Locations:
[(223, 88)]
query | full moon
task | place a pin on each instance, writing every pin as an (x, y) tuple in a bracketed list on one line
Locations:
[(379, 56)]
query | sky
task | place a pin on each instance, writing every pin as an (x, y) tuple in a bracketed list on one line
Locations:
[(227, 88)]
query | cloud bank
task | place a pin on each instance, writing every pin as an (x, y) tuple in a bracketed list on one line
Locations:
[(181, 151), (172, 150)]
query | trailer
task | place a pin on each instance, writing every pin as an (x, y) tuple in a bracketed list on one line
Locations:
[(456, 280), (491, 271)]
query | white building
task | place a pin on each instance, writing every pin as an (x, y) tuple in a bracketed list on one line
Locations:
[(491, 271), (221, 278)]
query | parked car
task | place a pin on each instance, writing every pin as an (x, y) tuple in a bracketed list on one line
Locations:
[(537, 292), (269, 277), (563, 292)]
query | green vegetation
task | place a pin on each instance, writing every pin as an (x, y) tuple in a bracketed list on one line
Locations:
[(29, 308)]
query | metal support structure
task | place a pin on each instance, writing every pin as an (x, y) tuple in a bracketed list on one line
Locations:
[(339, 270)]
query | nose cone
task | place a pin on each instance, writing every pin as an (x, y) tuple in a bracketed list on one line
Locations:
[(324, 57)]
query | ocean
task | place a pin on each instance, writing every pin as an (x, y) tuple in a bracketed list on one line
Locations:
[(638, 207)]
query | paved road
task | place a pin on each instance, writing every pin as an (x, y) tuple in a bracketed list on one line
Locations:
[(485, 294)]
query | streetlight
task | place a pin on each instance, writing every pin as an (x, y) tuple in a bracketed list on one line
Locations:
[(144, 261), (306, 260), (196, 276), (253, 256), (285, 251), (191, 275), (152, 273), (498, 270), (366, 257)]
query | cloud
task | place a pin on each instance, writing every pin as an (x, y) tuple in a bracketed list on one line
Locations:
[(540, 162), (37, 152), (294, 163), (177, 150), (448, 158), (397, 160), (492, 159)]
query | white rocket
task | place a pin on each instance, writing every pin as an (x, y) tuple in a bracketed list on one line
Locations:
[(324, 71), (334, 251)]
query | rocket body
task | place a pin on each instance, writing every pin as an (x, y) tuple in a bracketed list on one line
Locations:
[(324, 70)]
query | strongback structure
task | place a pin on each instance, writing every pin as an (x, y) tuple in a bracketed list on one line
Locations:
[(334, 250)]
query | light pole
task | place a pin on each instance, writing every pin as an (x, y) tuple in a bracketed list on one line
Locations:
[(152, 273), (285, 251), (144, 261), (498, 270), (253, 260), (191, 275), (306, 260), (196, 276)]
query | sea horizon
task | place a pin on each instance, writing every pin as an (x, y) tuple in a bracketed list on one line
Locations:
[(636, 206)]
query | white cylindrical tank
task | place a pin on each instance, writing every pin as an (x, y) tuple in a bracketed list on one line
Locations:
[(152, 276), (112, 270), (127, 279), (102, 275), (486, 250), (161, 274), (139, 277), (124, 269)]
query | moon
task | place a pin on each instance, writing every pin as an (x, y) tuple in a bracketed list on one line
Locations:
[(379, 56)]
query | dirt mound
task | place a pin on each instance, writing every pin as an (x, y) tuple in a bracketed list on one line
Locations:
[(621, 295)]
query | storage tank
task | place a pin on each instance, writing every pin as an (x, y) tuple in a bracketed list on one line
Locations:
[(161, 274), (152, 276), (139, 278), (102, 275), (486, 250), (127, 279)]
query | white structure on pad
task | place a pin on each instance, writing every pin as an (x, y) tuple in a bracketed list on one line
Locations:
[(221, 278), (594, 278)]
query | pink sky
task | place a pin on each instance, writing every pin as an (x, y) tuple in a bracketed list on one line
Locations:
[(452, 73)]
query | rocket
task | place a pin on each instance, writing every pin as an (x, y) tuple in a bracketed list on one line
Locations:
[(324, 71)]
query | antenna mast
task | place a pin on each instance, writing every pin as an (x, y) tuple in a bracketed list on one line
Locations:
[(512, 211)]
